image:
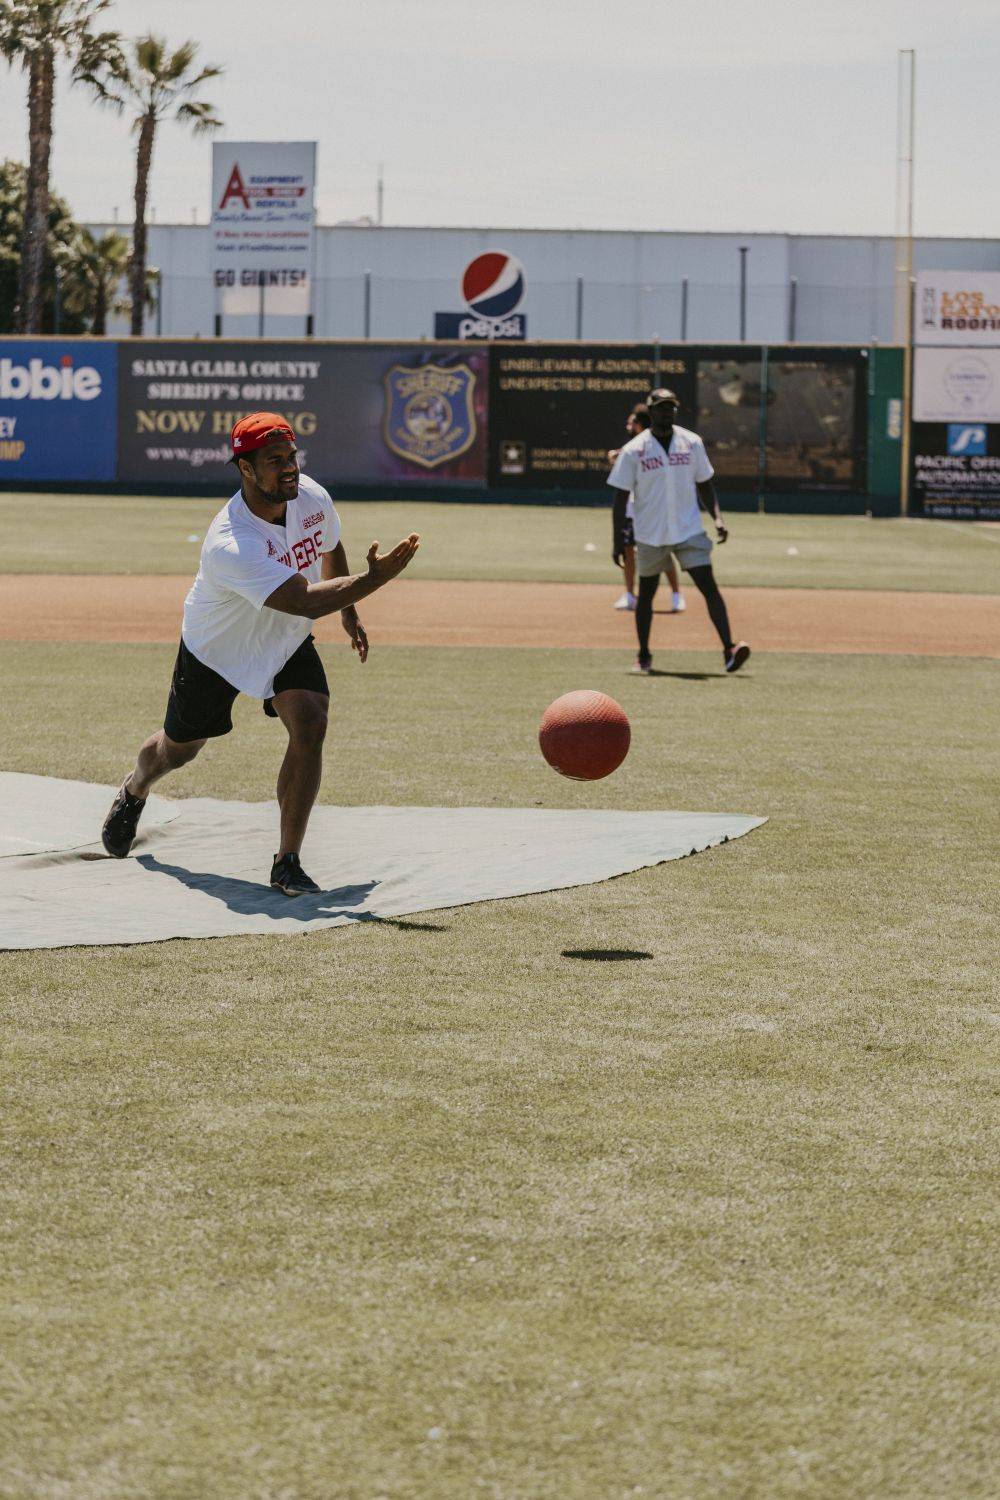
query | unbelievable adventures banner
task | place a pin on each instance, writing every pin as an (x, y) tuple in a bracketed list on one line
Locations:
[(556, 409), (361, 412), (794, 422)]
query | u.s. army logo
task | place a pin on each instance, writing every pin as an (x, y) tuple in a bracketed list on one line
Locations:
[(429, 415)]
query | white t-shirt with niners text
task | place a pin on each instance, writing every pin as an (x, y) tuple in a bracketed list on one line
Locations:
[(243, 561), (663, 484)]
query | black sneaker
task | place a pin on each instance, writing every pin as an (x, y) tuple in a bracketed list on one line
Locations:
[(118, 833), (737, 656), (288, 875)]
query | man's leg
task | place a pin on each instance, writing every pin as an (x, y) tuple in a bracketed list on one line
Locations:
[(674, 579), (628, 557), (705, 582), (157, 757), (304, 715), (644, 611)]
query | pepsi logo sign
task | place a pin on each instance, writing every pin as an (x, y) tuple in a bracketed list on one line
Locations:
[(493, 284)]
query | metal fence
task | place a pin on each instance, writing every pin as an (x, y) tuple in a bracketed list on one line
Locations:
[(375, 306)]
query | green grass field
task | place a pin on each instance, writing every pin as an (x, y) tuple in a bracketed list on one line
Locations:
[(438, 1208), (128, 534)]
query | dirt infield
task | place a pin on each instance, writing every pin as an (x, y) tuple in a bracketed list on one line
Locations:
[(430, 613)]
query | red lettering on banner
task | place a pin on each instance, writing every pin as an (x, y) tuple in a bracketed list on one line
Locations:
[(235, 188)]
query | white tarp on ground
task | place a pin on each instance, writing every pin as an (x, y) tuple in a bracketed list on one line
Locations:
[(200, 866)]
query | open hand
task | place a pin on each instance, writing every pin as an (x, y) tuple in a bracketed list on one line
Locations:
[(388, 566)]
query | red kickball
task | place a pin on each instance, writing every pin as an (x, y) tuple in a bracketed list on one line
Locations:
[(584, 735)]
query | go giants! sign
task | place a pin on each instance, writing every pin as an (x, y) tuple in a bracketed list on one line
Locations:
[(262, 226)]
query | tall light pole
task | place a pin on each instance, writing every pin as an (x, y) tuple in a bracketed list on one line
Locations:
[(743, 293), (902, 319)]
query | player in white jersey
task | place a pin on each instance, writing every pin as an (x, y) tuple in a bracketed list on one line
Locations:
[(638, 421), (272, 562), (670, 478)]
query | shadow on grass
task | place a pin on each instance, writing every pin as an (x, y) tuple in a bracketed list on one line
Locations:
[(403, 926), (249, 898), (686, 676), (606, 955)]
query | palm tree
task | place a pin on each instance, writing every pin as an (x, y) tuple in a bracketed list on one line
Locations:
[(155, 83), (61, 234), (35, 34), (92, 272)]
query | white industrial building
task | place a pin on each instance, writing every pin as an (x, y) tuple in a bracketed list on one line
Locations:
[(388, 283)]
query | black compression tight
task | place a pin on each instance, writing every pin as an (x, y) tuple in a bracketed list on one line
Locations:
[(704, 581), (644, 610)]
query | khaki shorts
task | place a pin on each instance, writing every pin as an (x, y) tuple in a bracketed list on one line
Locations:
[(695, 552)]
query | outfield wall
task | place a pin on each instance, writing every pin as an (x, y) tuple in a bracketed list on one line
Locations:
[(788, 427)]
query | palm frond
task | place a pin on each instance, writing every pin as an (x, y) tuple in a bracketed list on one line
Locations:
[(177, 65), (198, 115), (149, 52), (200, 78)]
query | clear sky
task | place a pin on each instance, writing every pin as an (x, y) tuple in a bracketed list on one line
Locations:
[(682, 114)]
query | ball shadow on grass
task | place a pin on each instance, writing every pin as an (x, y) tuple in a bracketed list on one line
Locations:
[(606, 955)]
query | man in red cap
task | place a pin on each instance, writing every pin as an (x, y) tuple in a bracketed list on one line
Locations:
[(272, 562)]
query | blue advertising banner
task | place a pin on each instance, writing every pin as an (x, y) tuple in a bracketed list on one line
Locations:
[(361, 413), (58, 409)]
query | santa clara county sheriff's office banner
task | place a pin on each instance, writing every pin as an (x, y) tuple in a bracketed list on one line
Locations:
[(361, 413), (262, 226)]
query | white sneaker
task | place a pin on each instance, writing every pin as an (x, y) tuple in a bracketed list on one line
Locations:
[(678, 604), (627, 601)]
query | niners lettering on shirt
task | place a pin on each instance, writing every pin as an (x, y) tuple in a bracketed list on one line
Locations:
[(664, 485), (243, 560)]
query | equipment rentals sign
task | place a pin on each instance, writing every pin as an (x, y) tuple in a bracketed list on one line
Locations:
[(262, 225), (958, 307)]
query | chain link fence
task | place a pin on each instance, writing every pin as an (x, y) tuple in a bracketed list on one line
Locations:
[(375, 306)]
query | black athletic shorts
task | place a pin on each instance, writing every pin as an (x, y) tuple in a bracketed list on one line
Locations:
[(201, 702)]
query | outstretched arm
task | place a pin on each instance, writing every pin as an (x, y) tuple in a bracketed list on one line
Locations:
[(314, 600), (709, 502)]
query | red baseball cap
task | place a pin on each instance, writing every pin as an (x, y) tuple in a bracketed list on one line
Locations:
[(257, 430)]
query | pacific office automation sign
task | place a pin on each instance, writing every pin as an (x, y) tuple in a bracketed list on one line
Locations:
[(957, 307), (262, 226)]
